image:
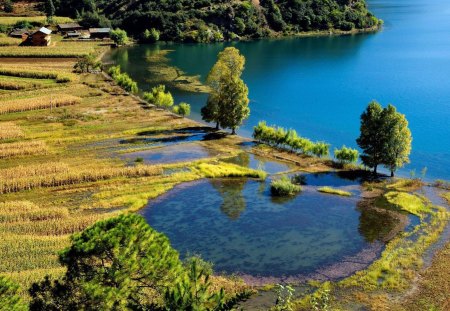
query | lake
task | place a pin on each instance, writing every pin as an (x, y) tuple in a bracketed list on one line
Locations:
[(242, 229), (319, 86)]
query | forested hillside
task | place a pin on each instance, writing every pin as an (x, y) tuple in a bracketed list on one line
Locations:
[(216, 20)]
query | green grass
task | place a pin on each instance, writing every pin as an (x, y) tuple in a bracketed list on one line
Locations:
[(446, 196), (410, 203), (222, 169), (330, 190), (284, 187)]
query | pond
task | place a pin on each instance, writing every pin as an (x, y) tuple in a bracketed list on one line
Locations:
[(241, 229), (320, 85)]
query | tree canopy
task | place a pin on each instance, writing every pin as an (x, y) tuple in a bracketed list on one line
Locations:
[(228, 101), (218, 20), (384, 137), (116, 264), (9, 296)]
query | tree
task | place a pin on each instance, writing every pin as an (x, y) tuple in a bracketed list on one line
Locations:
[(9, 296), (87, 63), (151, 35), (8, 6), (227, 104), (159, 97), (119, 263), (49, 9), (397, 139), (182, 109), (371, 136), (385, 137), (346, 155), (119, 36)]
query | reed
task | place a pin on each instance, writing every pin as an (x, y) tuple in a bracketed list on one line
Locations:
[(22, 148), (54, 175), (36, 103), (9, 130)]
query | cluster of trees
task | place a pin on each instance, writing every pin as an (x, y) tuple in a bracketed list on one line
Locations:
[(289, 140), (119, 36), (228, 101), (217, 20), (123, 79), (87, 63), (385, 138), (121, 264)]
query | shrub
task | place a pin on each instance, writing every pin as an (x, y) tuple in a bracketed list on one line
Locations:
[(151, 35), (284, 187), (119, 36), (159, 97), (182, 109), (123, 79), (346, 155), (9, 296)]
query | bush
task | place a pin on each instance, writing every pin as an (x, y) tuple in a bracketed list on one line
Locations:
[(123, 79), (151, 36), (284, 187), (8, 6), (182, 109), (159, 97), (346, 155), (9, 296), (119, 36)]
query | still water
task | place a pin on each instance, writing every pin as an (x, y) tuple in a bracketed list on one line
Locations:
[(320, 86), (241, 228)]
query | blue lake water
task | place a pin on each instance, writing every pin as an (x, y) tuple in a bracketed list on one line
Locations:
[(320, 86), (241, 228)]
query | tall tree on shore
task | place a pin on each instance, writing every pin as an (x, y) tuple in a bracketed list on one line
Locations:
[(385, 138), (227, 104), (397, 139), (371, 138)]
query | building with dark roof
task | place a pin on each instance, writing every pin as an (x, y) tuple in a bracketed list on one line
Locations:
[(99, 33), (69, 27)]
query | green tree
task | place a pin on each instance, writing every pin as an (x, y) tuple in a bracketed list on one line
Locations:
[(159, 97), (371, 136), (119, 36), (182, 109), (49, 9), (397, 139), (9, 296), (346, 155), (8, 6), (227, 104), (119, 263), (193, 292), (151, 35), (87, 63)]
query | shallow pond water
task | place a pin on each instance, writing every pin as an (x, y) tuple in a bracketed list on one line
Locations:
[(171, 154), (257, 162), (238, 226)]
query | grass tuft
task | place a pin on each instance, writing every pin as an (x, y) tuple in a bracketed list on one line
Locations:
[(284, 187), (330, 190)]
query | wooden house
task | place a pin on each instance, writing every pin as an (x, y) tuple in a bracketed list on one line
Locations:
[(19, 33), (69, 27), (99, 33), (40, 37)]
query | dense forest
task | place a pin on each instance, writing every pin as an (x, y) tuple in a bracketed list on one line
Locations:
[(217, 20)]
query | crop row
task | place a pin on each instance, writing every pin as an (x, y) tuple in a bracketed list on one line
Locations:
[(35, 74), (38, 103), (22, 148), (26, 178), (9, 130)]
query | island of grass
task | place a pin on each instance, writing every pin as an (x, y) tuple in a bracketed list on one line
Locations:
[(284, 187), (330, 190)]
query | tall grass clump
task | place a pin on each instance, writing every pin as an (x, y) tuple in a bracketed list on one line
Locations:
[(36, 103), (284, 187), (23, 148), (330, 190), (289, 140), (123, 79), (22, 178), (9, 130)]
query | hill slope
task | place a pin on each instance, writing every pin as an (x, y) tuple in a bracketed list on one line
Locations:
[(215, 20)]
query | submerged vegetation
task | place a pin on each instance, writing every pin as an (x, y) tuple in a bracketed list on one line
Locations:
[(330, 190)]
